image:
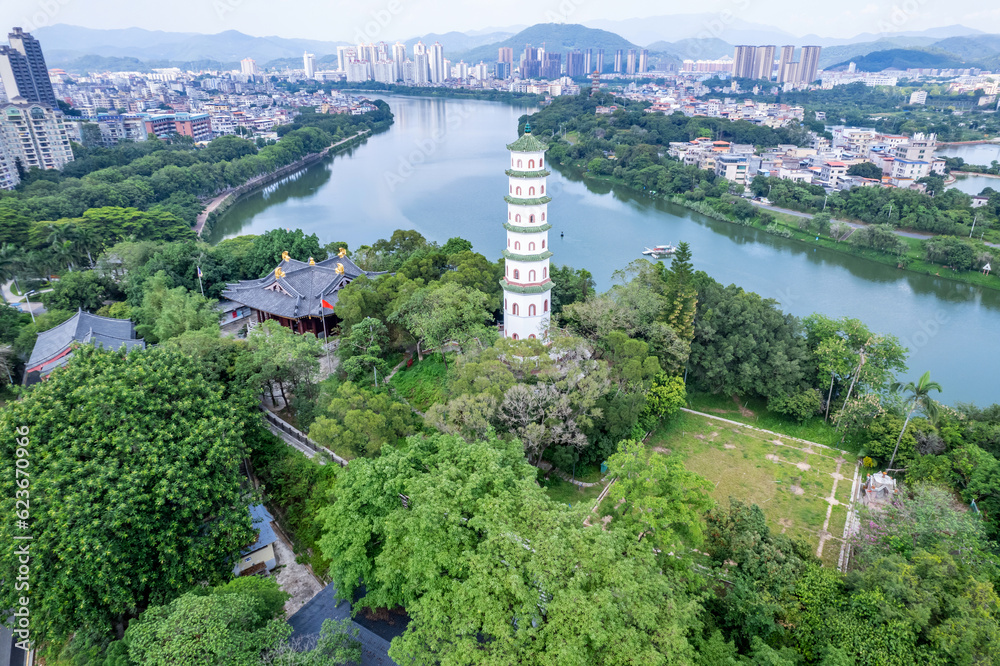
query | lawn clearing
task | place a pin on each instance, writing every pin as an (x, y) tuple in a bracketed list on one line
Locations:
[(754, 412), (790, 481), (423, 383), (568, 493)]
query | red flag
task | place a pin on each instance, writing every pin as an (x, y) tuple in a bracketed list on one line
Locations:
[(325, 304)]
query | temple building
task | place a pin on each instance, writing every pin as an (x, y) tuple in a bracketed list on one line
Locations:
[(527, 288), (54, 347), (294, 292)]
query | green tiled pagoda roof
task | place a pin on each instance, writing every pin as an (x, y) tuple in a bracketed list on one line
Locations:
[(526, 202), (532, 289), (526, 230), (507, 254), (527, 143), (527, 174)]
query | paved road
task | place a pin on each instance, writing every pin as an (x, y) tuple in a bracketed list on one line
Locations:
[(10, 297)]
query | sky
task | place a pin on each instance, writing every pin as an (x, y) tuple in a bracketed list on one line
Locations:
[(401, 19)]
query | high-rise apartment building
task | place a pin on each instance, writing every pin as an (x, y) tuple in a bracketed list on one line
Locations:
[(503, 70), (808, 64), (345, 54), (23, 70), (505, 54), (630, 62), (618, 61), (437, 64), (743, 60), (34, 135), (309, 65), (588, 61), (398, 58), (763, 62), (575, 62), (786, 64), (599, 62), (531, 64), (248, 67), (8, 170), (643, 61), (552, 66)]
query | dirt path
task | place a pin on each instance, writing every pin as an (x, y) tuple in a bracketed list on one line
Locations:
[(831, 502)]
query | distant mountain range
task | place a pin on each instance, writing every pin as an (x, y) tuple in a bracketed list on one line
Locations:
[(670, 39)]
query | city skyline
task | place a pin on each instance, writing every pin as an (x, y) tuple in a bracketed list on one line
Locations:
[(396, 19)]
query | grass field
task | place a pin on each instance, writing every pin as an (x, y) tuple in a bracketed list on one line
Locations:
[(754, 412), (422, 384), (791, 482), (568, 493)]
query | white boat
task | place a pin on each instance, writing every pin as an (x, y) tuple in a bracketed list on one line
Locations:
[(660, 250)]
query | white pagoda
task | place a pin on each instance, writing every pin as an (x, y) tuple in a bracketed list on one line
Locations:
[(527, 288)]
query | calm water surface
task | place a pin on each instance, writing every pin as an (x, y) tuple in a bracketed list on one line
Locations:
[(440, 170)]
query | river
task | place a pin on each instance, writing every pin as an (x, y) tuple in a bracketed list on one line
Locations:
[(440, 170)]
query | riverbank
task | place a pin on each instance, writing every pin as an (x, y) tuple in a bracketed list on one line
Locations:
[(446, 93), (217, 206), (912, 261)]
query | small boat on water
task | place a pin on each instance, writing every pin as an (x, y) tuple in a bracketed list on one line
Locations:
[(660, 250)]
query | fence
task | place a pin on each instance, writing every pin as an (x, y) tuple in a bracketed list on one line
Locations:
[(299, 436)]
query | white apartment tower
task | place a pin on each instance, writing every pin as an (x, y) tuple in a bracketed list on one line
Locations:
[(437, 63), (527, 288), (309, 65), (398, 58)]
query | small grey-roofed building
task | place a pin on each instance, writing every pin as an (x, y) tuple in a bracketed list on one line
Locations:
[(10, 654), (293, 293), (259, 557), (307, 621), (54, 347)]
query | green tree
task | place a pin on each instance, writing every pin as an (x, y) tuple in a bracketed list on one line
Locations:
[(361, 352), (168, 312), (267, 248), (280, 356), (657, 498), (666, 396), (492, 571), (920, 398), (442, 313), (865, 170), (135, 471), (361, 421), (681, 293), (86, 290), (214, 628)]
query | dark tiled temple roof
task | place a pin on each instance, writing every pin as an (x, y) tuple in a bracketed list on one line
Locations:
[(299, 291), (85, 328)]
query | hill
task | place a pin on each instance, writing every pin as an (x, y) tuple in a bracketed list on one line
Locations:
[(904, 59), (64, 44), (694, 49), (560, 37), (458, 42)]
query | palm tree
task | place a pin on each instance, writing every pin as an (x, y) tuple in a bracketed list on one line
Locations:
[(88, 241), (920, 398), (11, 263)]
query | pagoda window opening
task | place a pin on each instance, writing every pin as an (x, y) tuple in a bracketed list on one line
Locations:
[(531, 337), (513, 336), (545, 273), (545, 306), (513, 309), (531, 246), (531, 310), (517, 245), (519, 190), (531, 219), (543, 189), (519, 164), (531, 276), (543, 217), (541, 162), (511, 189), (531, 191), (517, 276), (531, 164), (517, 218), (543, 245), (508, 242), (505, 305)]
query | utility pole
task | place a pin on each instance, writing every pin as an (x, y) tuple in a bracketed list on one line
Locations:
[(26, 300), (974, 225)]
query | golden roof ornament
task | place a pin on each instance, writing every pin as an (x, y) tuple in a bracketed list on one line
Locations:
[(312, 262), (278, 273), (284, 255), (342, 252), (340, 269)]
